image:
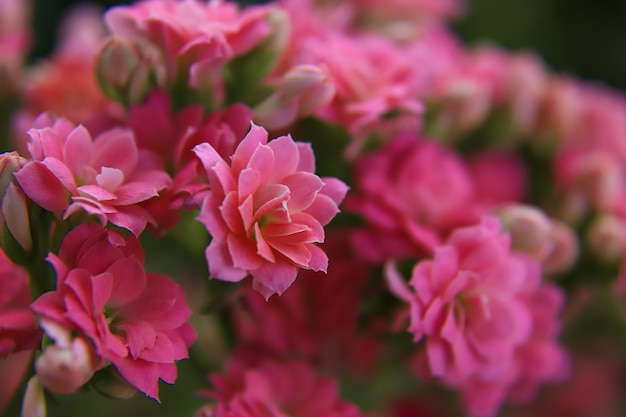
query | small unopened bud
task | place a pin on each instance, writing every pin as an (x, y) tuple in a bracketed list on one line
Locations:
[(125, 71), (66, 365), (607, 238), (34, 401), (549, 241), (64, 369), (301, 92), (13, 203), (564, 251), (530, 230)]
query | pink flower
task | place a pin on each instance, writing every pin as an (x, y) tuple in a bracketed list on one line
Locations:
[(411, 192), (172, 135), (18, 327), (466, 303), (266, 211), (107, 176), (539, 360), (272, 388), (135, 320), (194, 36)]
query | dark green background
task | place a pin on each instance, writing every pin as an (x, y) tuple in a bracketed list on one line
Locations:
[(587, 38)]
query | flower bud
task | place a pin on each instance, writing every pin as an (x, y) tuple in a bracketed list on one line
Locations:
[(311, 85), (302, 91), (13, 204), (530, 230), (564, 251), (64, 369), (66, 365), (34, 402), (125, 71), (607, 238)]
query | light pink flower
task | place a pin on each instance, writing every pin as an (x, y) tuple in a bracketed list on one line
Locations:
[(466, 303), (274, 389), (411, 192), (266, 211), (197, 37), (135, 320), (18, 326), (537, 361), (106, 176)]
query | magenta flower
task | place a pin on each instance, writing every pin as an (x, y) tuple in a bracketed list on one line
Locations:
[(266, 211), (411, 193), (193, 35), (275, 389), (106, 176), (135, 320), (466, 303)]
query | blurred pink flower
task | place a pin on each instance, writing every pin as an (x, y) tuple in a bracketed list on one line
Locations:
[(107, 176), (18, 327), (466, 303), (274, 389), (266, 211), (411, 193), (135, 320), (540, 359)]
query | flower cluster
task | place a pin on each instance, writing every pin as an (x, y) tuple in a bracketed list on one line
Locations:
[(173, 208)]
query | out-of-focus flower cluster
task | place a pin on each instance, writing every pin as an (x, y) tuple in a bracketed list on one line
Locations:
[(320, 208)]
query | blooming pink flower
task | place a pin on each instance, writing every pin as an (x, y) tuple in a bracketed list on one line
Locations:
[(466, 303), (266, 211), (172, 135), (18, 327), (107, 176), (272, 388), (196, 36), (135, 320), (540, 359), (411, 192)]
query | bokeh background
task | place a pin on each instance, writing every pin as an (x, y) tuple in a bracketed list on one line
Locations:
[(582, 37)]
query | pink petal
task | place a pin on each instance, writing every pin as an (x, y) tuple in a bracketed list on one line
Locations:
[(96, 192), (256, 137), (221, 264), (116, 148), (335, 189), (287, 156), (243, 252), (141, 374), (41, 186), (139, 335), (303, 188), (110, 178), (78, 150), (62, 172), (273, 277), (129, 280)]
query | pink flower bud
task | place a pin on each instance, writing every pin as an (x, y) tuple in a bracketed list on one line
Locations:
[(565, 250), (34, 402), (13, 203), (607, 238), (66, 365), (65, 369), (529, 228), (124, 70), (311, 84), (301, 92)]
